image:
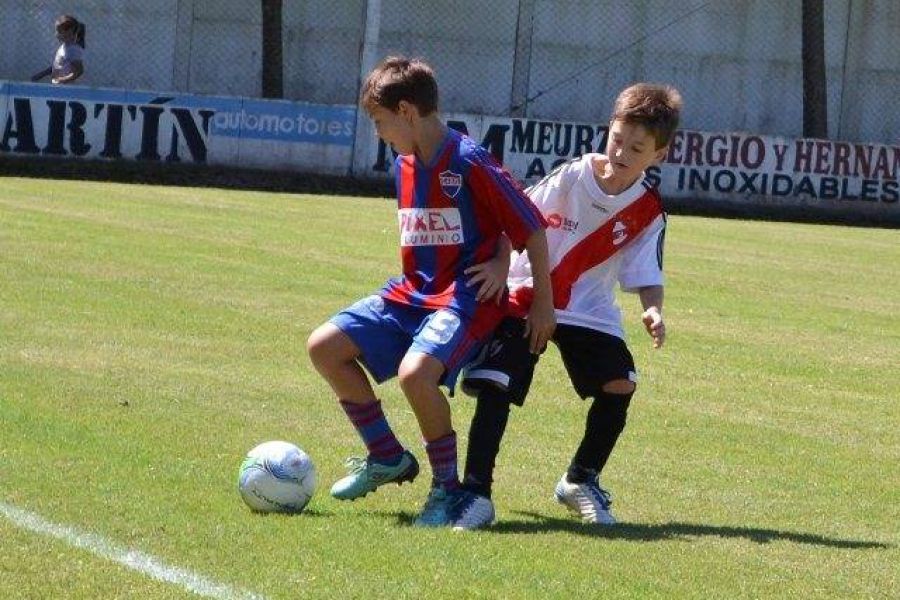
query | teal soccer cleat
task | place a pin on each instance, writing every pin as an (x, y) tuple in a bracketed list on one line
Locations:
[(366, 475), (438, 508)]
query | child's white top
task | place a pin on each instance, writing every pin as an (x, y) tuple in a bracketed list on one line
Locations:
[(65, 56), (575, 207)]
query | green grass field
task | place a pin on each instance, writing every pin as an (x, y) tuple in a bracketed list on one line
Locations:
[(149, 336)]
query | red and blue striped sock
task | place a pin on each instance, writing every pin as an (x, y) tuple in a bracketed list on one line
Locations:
[(442, 456), (374, 430)]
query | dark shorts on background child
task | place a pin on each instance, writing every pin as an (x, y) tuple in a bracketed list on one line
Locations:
[(592, 358)]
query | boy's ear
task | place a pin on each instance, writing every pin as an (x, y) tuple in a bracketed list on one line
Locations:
[(408, 111), (661, 154)]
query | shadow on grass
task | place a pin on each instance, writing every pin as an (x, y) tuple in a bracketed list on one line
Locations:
[(638, 532), (404, 519)]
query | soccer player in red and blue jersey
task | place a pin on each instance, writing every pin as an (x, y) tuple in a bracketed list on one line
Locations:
[(455, 202)]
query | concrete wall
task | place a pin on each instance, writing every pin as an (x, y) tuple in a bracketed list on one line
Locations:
[(737, 63), (472, 49), (868, 109)]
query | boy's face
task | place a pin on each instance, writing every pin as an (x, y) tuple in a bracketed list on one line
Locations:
[(395, 128), (64, 35), (631, 149)]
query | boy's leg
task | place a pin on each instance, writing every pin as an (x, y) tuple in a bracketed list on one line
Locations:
[(579, 488), (336, 355), (607, 376), (500, 376), (485, 434), (419, 377), (443, 344), (474, 509), (605, 422)]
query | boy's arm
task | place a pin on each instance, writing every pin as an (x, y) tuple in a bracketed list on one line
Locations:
[(541, 316), (491, 274), (652, 301), (41, 74)]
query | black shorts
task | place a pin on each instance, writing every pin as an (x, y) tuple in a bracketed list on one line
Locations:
[(591, 358)]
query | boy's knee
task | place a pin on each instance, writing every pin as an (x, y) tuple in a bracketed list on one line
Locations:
[(419, 371), (326, 346), (317, 343), (619, 386)]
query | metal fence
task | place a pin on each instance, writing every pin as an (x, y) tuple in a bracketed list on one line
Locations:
[(738, 63)]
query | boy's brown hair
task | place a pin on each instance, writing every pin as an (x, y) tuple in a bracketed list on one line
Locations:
[(70, 23), (398, 78), (656, 107)]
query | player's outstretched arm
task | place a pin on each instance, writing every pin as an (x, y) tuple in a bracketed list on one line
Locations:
[(491, 274), (541, 321), (652, 301), (41, 74)]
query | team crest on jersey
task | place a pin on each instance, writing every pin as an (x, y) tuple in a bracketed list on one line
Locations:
[(451, 182), (620, 233)]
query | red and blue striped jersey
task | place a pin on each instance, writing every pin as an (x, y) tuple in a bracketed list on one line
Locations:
[(452, 213)]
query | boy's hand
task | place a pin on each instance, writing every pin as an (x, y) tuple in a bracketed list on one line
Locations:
[(491, 275), (653, 322), (540, 324)]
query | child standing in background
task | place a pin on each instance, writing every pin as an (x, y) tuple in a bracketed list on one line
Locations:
[(68, 63)]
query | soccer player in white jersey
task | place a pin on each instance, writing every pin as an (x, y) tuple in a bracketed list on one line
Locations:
[(605, 226)]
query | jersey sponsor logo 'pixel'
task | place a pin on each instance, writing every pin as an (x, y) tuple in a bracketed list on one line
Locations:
[(430, 227)]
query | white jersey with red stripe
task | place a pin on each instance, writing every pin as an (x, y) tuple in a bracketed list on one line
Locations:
[(595, 241)]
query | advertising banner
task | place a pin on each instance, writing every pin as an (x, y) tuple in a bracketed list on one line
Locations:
[(705, 167), (701, 169), (80, 122)]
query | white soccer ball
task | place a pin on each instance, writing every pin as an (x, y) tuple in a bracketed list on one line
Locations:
[(277, 477)]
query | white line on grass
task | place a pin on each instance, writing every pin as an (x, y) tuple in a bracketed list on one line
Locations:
[(133, 559)]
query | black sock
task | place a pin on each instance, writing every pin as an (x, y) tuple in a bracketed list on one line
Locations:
[(485, 433), (605, 421)]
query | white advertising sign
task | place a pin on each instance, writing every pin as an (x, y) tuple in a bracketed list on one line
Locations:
[(734, 167), (80, 122)]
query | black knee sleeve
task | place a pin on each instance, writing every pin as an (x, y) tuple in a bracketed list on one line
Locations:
[(485, 433), (605, 421)]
